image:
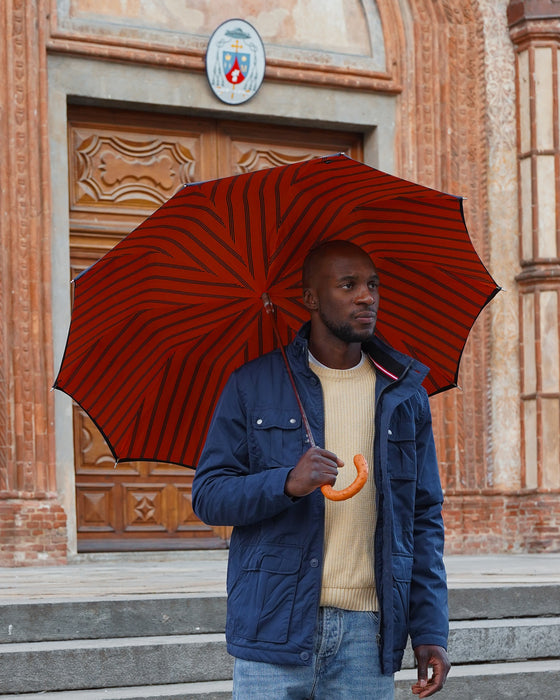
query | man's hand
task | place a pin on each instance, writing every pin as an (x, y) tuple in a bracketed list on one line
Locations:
[(430, 655), (314, 468)]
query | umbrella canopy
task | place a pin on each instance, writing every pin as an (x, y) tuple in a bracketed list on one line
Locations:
[(160, 322)]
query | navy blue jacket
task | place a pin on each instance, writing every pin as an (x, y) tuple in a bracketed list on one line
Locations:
[(274, 572)]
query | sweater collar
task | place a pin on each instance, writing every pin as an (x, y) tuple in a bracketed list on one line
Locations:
[(390, 362)]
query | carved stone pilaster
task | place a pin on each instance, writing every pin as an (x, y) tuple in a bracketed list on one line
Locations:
[(535, 32), (28, 499)]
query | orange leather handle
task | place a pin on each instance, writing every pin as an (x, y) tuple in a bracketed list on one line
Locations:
[(358, 483)]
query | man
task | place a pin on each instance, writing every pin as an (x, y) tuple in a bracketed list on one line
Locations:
[(321, 594)]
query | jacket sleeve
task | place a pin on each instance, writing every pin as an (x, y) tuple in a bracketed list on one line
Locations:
[(225, 490), (429, 615)]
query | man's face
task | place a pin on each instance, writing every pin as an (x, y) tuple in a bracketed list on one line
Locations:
[(346, 296)]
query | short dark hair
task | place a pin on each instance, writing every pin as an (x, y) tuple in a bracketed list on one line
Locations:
[(318, 252)]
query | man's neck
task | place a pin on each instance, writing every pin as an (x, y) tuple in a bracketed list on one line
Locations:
[(336, 355)]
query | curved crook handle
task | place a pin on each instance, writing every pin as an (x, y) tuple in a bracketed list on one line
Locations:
[(358, 483)]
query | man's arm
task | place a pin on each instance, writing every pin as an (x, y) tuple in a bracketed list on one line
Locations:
[(429, 616), (224, 491), (227, 492)]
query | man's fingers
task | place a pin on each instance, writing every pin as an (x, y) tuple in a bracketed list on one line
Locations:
[(329, 457), (436, 657)]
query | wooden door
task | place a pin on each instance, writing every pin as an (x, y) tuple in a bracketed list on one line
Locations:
[(123, 165)]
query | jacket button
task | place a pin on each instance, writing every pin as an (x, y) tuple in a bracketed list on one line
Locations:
[(304, 656), (314, 563), (292, 420), (259, 421), (390, 432)]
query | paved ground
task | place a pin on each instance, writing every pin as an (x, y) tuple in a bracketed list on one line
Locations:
[(171, 573)]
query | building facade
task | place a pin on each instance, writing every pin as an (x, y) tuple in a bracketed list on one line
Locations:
[(106, 110)]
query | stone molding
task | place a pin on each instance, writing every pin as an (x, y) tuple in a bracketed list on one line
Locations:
[(528, 10), (304, 67)]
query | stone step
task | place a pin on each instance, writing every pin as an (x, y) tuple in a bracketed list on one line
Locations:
[(493, 602), (538, 680), (528, 680), (195, 613), (89, 663), (210, 690), (119, 617), (483, 641), (133, 661), (172, 646)]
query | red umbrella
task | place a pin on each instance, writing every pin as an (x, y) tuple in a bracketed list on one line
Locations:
[(160, 322)]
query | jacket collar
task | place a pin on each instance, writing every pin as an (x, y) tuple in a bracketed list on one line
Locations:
[(391, 363)]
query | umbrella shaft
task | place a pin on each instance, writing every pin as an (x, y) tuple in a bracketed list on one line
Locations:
[(269, 307)]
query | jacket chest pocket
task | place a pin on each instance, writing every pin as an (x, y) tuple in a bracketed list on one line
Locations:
[(401, 451), (402, 469), (276, 437)]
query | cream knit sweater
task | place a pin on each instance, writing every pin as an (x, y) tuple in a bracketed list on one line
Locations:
[(348, 573)]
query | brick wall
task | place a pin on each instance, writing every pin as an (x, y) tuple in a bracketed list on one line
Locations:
[(487, 523), (32, 532)]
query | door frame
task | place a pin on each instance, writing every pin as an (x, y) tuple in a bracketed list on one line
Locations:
[(86, 80)]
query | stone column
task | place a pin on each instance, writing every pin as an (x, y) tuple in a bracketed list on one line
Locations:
[(32, 522), (535, 31)]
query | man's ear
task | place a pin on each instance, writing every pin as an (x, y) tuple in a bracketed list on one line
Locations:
[(309, 299)]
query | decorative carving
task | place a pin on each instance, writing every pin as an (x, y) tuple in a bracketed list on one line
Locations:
[(258, 158), (146, 508), (118, 171), (96, 509)]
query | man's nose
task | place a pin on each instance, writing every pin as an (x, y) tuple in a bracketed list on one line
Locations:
[(366, 296)]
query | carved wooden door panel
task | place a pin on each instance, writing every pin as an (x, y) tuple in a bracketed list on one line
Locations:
[(123, 165)]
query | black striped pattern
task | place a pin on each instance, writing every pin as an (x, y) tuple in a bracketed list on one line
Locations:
[(160, 322)]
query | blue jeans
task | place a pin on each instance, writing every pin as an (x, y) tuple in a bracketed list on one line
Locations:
[(345, 665)]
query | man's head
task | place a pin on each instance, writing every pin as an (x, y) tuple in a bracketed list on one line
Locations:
[(341, 292)]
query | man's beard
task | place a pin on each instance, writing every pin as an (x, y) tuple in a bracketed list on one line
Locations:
[(345, 332)]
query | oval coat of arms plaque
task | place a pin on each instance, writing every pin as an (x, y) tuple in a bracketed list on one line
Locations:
[(235, 61)]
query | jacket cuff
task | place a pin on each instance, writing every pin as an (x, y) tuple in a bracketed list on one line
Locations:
[(429, 639)]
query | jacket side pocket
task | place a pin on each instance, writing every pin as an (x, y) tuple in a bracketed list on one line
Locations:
[(261, 600)]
